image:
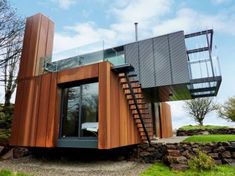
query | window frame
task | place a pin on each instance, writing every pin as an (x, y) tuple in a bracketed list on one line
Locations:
[(64, 104)]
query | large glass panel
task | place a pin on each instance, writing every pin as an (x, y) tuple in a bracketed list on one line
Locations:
[(70, 112), (80, 111), (117, 60), (89, 116)]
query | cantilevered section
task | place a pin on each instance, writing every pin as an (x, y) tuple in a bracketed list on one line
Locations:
[(167, 66), (205, 76)]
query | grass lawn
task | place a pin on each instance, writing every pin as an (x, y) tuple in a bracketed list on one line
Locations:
[(9, 173), (160, 169), (211, 138), (204, 127)]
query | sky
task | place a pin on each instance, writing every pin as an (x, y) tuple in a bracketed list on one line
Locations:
[(80, 22)]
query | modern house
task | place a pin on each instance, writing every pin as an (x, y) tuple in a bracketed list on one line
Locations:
[(107, 98)]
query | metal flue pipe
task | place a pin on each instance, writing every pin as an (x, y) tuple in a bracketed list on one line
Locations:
[(136, 31)]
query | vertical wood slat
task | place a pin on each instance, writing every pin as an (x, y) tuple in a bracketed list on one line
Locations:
[(17, 116), (123, 120), (104, 106), (117, 127), (43, 110), (22, 112), (55, 134), (52, 116), (41, 44), (28, 108), (32, 50), (115, 102), (165, 119), (26, 43), (38, 41), (35, 112)]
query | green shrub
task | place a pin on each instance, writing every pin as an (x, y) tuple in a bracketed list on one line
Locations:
[(6, 113), (201, 162), (204, 127)]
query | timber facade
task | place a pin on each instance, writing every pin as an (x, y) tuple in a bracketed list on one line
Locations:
[(104, 99)]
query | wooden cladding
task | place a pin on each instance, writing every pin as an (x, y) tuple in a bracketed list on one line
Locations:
[(36, 117), (116, 125), (38, 43), (36, 95), (37, 107), (75, 74), (165, 123), (37, 110)]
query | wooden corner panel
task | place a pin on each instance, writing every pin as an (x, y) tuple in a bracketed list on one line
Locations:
[(116, 124), (34, 116), (38, 43), (166, 122)]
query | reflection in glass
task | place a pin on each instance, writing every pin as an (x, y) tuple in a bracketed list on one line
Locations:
[(89, 115), (80, 111)]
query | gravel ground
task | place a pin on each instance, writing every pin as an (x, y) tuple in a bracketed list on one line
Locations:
[(40, 167)]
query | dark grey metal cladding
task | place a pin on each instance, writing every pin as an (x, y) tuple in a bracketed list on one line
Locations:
[(178, 56), (159, 61), (146, 61), (132, 56), (162, 61)]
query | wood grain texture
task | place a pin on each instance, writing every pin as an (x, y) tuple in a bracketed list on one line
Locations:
[(23, 122), (78, 74), (165, 120), (37, 110), (38, 39), (104, 106), (26, 44), (38, 43), (16, 117), (43, 110), (117, 127), (52, 117)]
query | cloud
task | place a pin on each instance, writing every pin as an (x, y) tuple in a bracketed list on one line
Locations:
[(155, 20), (220, 1), (64, 4), (83, 33), (141, 10), (190, 20)]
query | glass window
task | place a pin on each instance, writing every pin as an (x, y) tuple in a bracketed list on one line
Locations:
[(80, 111)]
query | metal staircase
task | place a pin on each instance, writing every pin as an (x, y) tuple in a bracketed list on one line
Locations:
[(138, 107)]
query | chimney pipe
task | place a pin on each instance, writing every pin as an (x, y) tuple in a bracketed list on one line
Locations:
[(136, 31)]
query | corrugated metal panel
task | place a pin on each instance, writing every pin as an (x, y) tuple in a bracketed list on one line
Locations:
[(146, 63), (132, 56), (178, 57), (162, 61)]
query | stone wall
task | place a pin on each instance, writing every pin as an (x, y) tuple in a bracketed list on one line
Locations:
[(176, 155), (209, 131)]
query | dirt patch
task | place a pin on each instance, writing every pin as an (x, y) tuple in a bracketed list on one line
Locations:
[(41, 167)]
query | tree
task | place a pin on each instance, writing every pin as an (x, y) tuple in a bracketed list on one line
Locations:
[(199, 108), (227, 111), (11, 37)]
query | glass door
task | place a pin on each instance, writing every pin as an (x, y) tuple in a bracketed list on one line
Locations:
[(79, 111)]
